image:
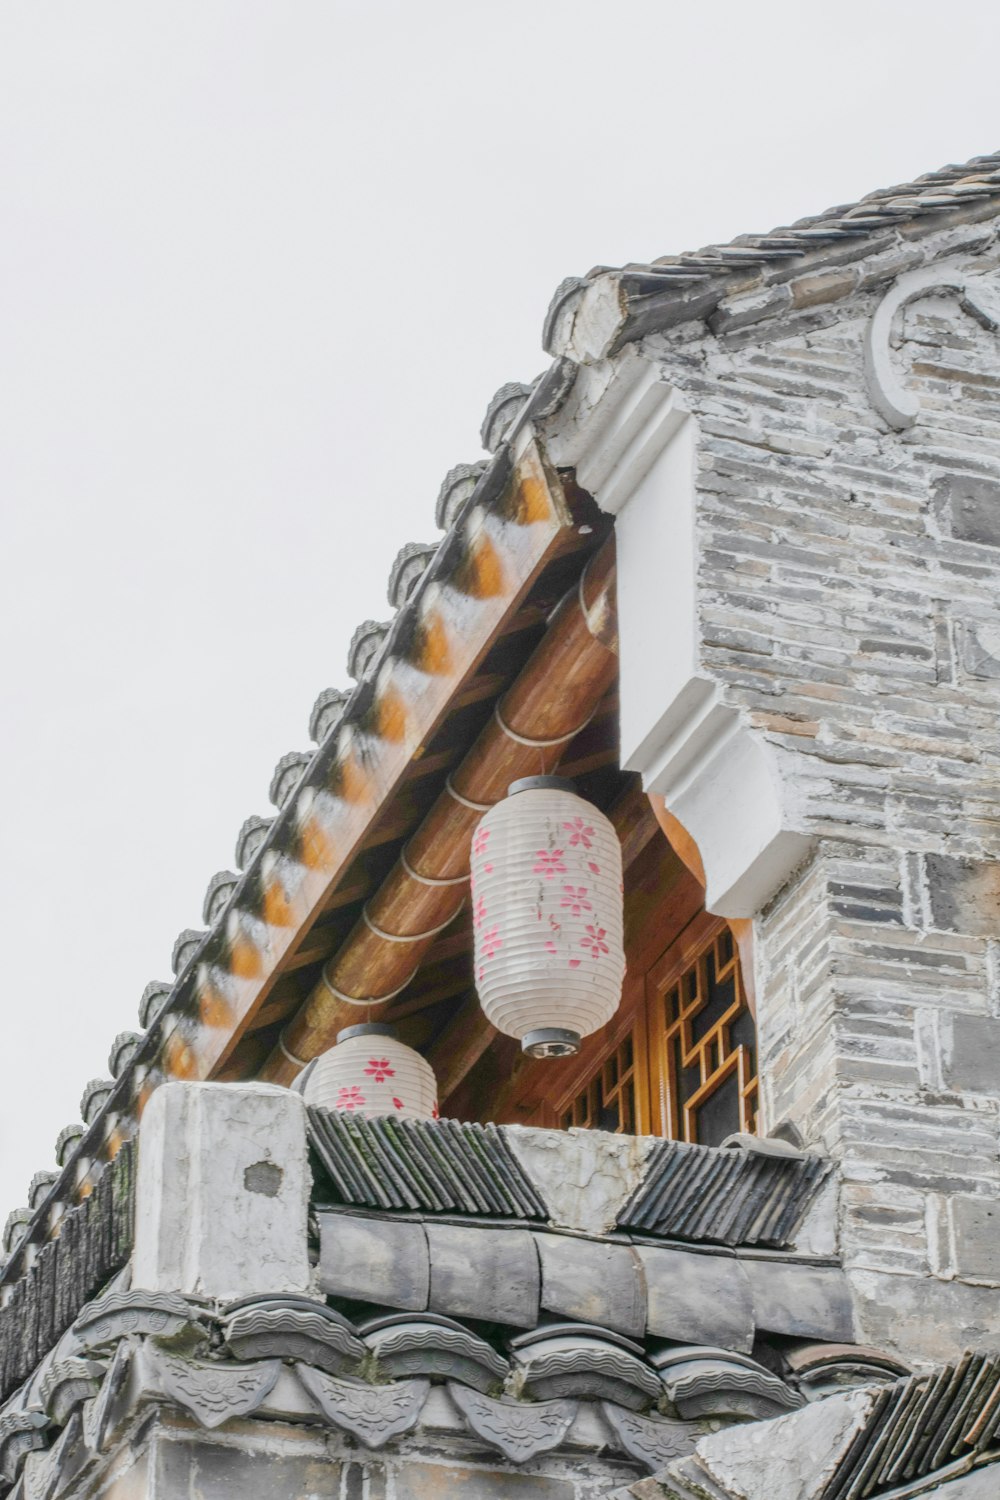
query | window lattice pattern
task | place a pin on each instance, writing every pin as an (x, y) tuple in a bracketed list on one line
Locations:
[(687, 1066), (607, 1102), (705, 1036)]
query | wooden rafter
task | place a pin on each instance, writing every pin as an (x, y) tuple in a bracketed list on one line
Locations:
[(553, 696)]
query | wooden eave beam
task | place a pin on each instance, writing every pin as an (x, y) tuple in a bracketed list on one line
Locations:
[(514, 527), (543, 710)]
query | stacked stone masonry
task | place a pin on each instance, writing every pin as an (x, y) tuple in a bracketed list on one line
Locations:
[(848, 602)]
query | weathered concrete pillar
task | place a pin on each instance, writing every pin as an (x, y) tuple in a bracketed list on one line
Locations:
[(222, 1192)]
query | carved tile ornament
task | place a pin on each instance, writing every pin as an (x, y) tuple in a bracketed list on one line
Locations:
[(40, 1475), (97, 1413), (213, 1393), (320, 1338), (45, 1473), (67, 1383), (653, 1441), (714, 1383), (21, 1433), (431, 1345), (900, 407), (566, 1363), (519, 1429), (164, 1315), (372, 1413)]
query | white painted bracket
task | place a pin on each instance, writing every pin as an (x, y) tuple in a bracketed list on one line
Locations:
[(633, 444)]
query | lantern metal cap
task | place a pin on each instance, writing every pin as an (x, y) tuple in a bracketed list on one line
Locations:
[(550, 1041), (367, 1028), (540, 784)]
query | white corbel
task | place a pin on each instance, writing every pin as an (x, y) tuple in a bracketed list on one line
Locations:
[(633, 444)]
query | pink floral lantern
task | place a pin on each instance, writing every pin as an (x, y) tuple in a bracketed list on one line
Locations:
[(371, 1072), (547, 915)]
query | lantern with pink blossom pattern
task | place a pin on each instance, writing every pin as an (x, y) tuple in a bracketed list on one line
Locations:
[(371, 1072), (547, 913)]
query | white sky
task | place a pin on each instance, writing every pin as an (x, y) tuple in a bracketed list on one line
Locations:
[(262, 266)]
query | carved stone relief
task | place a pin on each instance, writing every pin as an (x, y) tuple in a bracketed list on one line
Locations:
[(434, 1346), (373, 1413), (653, 1441), (890, 397), (67, 1383), (215, 1392), (519, 1429)]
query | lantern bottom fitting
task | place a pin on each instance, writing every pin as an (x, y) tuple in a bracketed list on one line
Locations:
[(550, 1041)]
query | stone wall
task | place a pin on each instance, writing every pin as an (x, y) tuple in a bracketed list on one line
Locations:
[(166, 1458), (847, 627)]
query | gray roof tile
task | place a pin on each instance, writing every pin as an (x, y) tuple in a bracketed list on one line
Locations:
[(124, 1047), (503, 408), (918, 1425), (733, 1197), (366, 644), (382, 1261), (327, 712), (409, 566), (456, 487), (287, 775), (433, 1166), (186, 945), (220, 888), (249, 839), (154, 998)]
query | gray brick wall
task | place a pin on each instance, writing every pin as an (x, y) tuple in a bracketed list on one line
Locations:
[(274, 1461), (849, 605)]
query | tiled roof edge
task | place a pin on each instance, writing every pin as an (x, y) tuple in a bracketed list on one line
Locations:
[(637, 299)]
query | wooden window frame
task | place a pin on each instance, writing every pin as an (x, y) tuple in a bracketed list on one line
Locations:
[(677, 1118), (658, 1108)]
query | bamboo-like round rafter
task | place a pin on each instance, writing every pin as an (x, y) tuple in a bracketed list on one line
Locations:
[(547, 704)]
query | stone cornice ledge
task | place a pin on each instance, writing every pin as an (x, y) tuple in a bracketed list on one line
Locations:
[(629, 436)]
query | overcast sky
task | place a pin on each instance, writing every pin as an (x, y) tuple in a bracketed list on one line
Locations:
[(262, 266)]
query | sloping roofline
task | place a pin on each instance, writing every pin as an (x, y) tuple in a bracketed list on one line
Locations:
[(590, 318), (596, 315)]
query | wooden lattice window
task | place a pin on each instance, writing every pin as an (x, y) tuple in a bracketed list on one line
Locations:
[(608, 1101), (683, 1064), (703, 1042)]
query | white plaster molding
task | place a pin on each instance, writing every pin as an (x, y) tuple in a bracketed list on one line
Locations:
[(616, 422), (589, 320), (633, 444), (723, 782), (899, 406)]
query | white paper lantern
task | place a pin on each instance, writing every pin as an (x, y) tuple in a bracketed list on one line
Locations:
[(371, 1072), (547, 915)]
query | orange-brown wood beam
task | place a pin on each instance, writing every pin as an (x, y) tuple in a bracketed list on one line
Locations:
[(687, 850), (492, 562), (545, 707)]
